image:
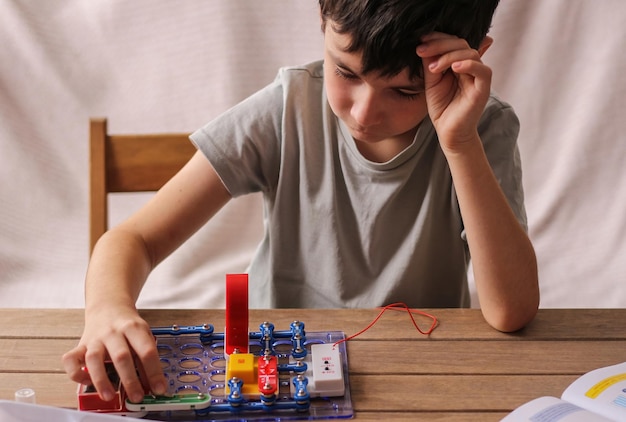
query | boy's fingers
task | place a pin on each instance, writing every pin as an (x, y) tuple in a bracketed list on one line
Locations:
[(74, 363), (438, 46), (152, 378), (94, 365), (446, 61), (124, 362), (149, 364), (480, 74)]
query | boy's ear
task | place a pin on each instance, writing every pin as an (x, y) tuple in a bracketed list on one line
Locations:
[(484, 45)]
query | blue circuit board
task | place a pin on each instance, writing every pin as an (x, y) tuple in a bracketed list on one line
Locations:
[(195, 366)]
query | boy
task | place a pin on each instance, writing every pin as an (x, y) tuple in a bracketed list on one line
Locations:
[(383, 169)]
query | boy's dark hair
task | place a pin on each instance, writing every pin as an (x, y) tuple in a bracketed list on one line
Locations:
[(388, 31)]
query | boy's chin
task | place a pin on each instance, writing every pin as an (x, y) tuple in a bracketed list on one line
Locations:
[(365, 136)]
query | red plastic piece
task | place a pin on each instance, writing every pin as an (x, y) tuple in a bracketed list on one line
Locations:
[(236, 333), (89, 399), (268, 375)]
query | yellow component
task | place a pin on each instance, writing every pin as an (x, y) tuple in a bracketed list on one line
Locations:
[(245, 367)]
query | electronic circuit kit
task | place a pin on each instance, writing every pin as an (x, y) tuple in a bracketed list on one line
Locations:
[(273, 373)]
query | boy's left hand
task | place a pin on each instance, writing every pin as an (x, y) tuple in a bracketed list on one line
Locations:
[(457, 86)]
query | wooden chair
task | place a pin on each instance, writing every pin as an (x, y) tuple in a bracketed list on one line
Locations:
[(129, 163)]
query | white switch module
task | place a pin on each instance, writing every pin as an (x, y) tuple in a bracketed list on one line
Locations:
[(326, 371)]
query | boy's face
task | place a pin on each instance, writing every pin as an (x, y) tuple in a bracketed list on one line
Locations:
[(377, 110)]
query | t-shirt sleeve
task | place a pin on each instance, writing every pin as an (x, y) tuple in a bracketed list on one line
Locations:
[(498, 129), (243, 144)]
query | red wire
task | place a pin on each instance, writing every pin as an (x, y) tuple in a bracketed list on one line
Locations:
[(399, 306)]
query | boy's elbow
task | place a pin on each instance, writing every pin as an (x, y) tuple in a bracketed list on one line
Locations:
[(509, 319), (510, 325), (517, 305)]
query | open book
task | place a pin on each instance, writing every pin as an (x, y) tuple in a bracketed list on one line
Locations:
[(597, 396)]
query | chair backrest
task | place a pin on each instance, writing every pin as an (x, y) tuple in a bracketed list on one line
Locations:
[(129, 163)]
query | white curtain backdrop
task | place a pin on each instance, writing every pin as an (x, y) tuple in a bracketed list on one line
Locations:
[(172, 65)]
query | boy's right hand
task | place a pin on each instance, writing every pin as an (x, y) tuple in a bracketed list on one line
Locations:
[(118, 334)]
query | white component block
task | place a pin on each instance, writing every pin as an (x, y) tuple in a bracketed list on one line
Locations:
[(326, 371)]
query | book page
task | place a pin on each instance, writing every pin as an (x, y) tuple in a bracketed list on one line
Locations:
[(552, 409), (602, 391)]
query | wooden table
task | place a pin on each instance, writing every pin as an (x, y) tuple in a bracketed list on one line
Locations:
[(464, 371)]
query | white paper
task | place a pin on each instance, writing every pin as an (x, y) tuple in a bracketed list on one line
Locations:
[(26, 412), (597, 396), (602, 391), (552, 409)]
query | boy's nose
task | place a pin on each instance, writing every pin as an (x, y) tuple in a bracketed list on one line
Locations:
[(366, 109)]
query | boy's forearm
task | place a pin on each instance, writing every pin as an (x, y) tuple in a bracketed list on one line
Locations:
[(117, 270), (504, 262)]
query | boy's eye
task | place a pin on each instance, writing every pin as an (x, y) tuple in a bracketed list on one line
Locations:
[(343, 74), (409, 95)]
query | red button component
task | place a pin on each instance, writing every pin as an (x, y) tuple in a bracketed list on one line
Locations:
[(268, 374)]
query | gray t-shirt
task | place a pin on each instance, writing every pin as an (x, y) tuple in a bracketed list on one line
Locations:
[(342, 231)]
